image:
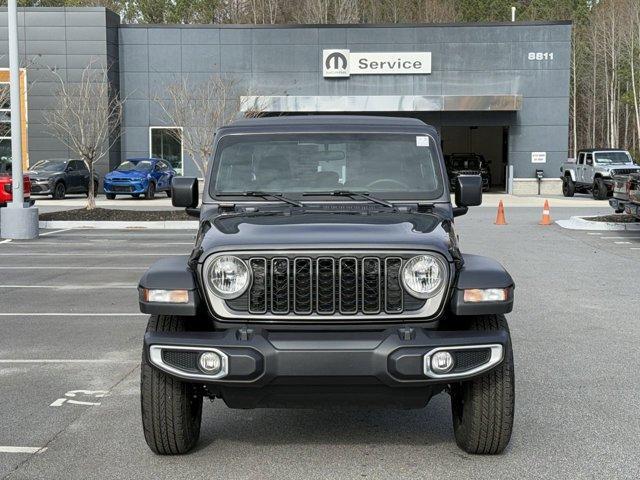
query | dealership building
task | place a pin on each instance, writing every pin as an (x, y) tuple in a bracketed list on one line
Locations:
[(499, 90)]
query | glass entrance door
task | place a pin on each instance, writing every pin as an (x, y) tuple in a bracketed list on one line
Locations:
[(166, 143)]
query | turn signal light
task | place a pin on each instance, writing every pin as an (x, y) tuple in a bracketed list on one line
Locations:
[(165, 296), (475, 295)]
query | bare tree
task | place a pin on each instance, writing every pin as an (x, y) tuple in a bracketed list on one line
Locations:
[(200, 108), (86, 117)]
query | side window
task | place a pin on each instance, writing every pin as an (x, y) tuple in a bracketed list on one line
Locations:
[(81, 166), (71, 167), (581, 159), (589, 159), (163, 166)]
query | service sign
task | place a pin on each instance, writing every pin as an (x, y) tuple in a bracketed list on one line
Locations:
[(344, 63)]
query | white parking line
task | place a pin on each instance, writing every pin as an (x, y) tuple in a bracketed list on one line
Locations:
[(8, 240), (90, 254), (94, 244), (71, 314), (617, 238), (74, 287), (66, 267), (10, 449), (56, 231), (594, 233), (622, 243), (63, 360)]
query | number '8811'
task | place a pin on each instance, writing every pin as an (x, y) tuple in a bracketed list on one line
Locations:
[(540, 56)]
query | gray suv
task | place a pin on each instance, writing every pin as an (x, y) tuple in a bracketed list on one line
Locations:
[(57, 177)]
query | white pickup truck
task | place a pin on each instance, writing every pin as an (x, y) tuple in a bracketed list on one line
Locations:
[(593, 171)]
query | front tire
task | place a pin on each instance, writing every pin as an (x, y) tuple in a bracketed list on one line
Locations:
[(599, 191), (171, 408), (482, 408), (151, 191), (59, 191), (110, 196), (568, 187)]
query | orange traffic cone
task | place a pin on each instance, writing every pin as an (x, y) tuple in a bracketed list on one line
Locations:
[(500, 220), (546, 217)]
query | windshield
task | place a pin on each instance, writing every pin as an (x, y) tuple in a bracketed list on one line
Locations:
[(50, 166), (609, 158), (468, 162), (143, 166), (397, 165)]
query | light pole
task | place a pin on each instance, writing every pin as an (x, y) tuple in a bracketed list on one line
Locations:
[(17, 220)]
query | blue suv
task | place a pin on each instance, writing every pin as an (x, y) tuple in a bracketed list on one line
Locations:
[(139, 176)]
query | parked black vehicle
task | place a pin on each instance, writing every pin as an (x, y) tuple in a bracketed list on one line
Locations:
[(57, 177), (467, 164), (326, 270)]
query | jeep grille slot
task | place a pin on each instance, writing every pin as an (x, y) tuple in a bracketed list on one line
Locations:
[(325, 285), (302, 285), (371, 275), (280, 285)]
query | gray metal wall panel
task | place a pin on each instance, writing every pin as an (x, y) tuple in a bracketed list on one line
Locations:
[(236, 58), (285, 58), (200, 36), (164, 36), (381, 35), (165, 58), (235, 35), (133, 36), (285, 36), (199, 58)]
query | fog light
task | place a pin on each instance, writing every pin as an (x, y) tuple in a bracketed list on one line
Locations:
[(441, 362), (210, 362)]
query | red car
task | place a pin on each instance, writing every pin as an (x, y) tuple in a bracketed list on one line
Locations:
[(5, 183)]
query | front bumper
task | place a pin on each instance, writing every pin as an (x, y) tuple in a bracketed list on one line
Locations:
[(126, 188), (632, 209), (392, 357)]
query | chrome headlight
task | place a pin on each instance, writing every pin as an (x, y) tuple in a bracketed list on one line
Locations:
[(423, 276), (228, 276)]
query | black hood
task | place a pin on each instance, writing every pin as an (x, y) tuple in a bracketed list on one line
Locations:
[(330, 230)]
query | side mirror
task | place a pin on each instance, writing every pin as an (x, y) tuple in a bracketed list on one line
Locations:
[(468, 190), (184, 192)]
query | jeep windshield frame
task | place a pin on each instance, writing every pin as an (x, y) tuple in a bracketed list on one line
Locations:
[(396, 165)]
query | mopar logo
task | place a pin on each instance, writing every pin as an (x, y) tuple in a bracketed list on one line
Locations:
[(335, 63), (338, 59)]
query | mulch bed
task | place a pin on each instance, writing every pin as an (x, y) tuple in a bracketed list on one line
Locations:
[(614, 218), (114, 215)]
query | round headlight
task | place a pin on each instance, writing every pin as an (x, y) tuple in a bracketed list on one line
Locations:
[(228, 276), (422, 276)]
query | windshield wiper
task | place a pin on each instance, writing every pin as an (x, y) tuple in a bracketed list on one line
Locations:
[(350, 193), (266, 195)]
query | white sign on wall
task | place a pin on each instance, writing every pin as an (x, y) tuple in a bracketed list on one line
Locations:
[(343, 63), (538, 157)]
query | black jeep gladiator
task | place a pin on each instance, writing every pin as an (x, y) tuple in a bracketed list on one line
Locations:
[(326, 271)]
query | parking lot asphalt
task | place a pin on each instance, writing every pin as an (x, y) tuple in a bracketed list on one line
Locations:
[(72, 334)]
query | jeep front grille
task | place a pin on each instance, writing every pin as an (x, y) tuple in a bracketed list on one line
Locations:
[(317, 284), (324, 286), (625, 171)]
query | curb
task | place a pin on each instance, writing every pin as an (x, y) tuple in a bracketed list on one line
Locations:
[(579, 223), (134, 225)]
